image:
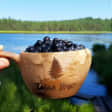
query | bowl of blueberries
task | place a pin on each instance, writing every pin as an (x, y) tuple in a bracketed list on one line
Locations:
[(53, 68)]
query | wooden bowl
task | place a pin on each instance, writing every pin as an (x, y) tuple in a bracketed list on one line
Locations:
[(53, 75)]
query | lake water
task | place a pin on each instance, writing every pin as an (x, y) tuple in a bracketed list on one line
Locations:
[(18, 42)]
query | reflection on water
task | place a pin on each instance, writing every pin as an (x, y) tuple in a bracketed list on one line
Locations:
[(18, 42), (91, 85)]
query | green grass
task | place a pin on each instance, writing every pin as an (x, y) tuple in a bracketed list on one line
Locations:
[(55, 32), (86, 108)]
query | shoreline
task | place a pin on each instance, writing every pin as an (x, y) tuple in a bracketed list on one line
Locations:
[(54, 32)]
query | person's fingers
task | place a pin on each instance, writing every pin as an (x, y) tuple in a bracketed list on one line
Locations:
[(1, 47), (4, 63)]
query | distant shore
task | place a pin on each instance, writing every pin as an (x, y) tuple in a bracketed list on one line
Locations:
[(54, 32)]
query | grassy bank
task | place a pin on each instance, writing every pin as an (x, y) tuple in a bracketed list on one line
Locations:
[(54, 32), (102, 64), (20, 99)]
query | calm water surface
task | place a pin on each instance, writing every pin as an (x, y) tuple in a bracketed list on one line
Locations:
[(18, 42)]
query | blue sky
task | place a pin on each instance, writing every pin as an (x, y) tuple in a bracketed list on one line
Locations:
[(43, 10)]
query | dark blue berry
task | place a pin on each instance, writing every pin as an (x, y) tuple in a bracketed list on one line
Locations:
[(43, 46), (65, 48), (79, 47), (55, 45), (59, 49), (75, 45), (55, 40), (46, 38), (39, 49), (30, 49), (72, 48), (38, 43), (47, 42), (69, 44)]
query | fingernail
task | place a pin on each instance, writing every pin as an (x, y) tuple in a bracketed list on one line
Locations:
[(2, 63), (1, 47)]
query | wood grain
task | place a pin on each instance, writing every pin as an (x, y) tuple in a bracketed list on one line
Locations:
[(55, 75), (56, 69)]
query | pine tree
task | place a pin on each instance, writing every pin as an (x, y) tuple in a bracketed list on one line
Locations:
[(55, 69)]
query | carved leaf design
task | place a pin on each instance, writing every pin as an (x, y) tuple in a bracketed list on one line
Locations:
[(55, 69)]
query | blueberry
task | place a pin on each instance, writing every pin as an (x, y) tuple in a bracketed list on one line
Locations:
[(65, 41), (80, 47), (38, 43), (43, 46), (55, 40), (69, 44), (64, 44), (30, 49), (39, 49), (55, 45), (71, 48), (75, 45), (59, 49), (65, 48), (60, 41), (47, 42), (58, 45), (46, 38), (47, 49)]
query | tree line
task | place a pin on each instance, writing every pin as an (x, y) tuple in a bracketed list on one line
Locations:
[(82, 24)]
